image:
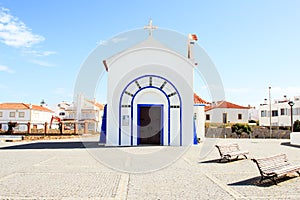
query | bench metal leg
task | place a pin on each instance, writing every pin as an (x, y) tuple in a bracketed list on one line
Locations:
[(261, 179), (274, 180), (245, 156), (227, 158)]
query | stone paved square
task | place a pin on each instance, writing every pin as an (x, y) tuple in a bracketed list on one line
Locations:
[(28, 171)]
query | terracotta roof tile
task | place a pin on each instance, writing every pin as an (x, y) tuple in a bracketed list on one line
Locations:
[(224, 104), (199, 100), (99, 105), (8, 106), (22, 106), (40, 108)]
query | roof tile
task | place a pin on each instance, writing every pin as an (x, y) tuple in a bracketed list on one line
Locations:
[(224, 104), (199, 100), (22, 106)]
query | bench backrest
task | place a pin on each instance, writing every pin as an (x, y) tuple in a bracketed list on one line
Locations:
[(227, 148), (269, 164)]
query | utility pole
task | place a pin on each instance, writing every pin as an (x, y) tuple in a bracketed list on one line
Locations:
[(270, 108)]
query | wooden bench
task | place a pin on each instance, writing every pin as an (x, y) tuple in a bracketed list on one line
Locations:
[(275, 166), (9, 138), (228, 151)]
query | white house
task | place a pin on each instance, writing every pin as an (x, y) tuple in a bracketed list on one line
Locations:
[(60, 109), (223, 112), (83, 110), (22, 114), (150, 97), (280, 112)]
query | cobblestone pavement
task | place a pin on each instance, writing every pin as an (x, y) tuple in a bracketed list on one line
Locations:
[(65, 169)]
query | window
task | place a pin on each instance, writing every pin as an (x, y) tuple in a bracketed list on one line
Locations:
[(240, 116), (224, 118), (62, 114), (283, 111), (207, 117), (21, 114), (263, 113), (296, 111), (12, 114), (1, 115), (274, 113)]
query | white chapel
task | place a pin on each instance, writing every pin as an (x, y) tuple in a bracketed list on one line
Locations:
[(150, 99)]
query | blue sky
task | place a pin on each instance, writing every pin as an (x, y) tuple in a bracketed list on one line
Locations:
[(254, 44)]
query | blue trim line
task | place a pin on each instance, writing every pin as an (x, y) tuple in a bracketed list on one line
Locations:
[(120, 106), (162, 125), (199, 105), (138, 139), (132, 100)]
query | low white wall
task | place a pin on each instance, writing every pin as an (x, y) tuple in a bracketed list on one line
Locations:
[(295, 138)]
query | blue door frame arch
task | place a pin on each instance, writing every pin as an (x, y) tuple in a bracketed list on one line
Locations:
[(132, 103)]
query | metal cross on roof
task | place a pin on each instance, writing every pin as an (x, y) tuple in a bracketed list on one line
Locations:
[(150, 27)]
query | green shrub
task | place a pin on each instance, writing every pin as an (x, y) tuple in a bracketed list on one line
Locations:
[(296, 126), (241, 128)]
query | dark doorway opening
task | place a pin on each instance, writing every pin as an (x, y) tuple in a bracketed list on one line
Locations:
[(150, 118)]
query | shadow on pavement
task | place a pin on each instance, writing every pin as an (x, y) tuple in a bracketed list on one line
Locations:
[(56, 145), (289, 144), (218, 161), (265, 183)]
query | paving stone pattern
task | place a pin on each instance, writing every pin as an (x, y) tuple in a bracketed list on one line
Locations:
[(73, 173)]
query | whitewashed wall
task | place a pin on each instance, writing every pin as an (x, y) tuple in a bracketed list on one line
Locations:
[(32, 116), (280, 120), (137, 62), (216, 115), (6, 118), (200, 121)]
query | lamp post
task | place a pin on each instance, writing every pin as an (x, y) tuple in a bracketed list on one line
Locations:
[(270, 109), (291, 103)]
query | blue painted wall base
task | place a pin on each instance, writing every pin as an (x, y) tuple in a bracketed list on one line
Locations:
[(103, 127), (195, 134)]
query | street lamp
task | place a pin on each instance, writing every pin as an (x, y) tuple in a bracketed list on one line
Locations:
[(291, 103)]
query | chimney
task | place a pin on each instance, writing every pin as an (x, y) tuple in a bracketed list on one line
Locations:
[(191, 42)]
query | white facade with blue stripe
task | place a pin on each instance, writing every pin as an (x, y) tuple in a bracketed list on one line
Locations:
[(150, 78)]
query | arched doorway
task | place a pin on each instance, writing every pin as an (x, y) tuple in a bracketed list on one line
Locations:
[(165, 118)]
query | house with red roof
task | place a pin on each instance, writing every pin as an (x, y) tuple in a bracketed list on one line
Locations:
[(224, 112), (23, 113)]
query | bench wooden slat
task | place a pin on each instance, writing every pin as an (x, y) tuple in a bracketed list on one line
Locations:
[(230, 150), (287, 170), (275, 166)]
